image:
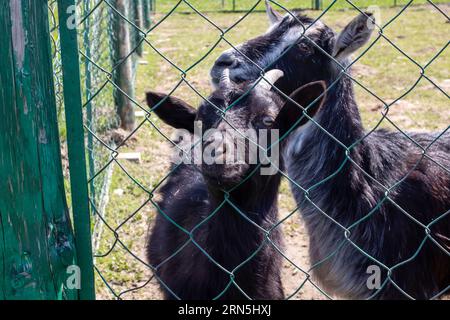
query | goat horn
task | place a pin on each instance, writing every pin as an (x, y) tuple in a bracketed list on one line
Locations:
[(225, 82), (271, 77)]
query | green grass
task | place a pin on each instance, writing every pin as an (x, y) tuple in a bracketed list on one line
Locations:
[(420, 32), (164, 6)]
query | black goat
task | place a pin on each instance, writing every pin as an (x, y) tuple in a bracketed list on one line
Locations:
[(378, 199), (223, 211)]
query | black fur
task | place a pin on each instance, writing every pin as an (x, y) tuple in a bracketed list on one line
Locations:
[(230, 226), (383, 163), (349, 193), (191, 199)]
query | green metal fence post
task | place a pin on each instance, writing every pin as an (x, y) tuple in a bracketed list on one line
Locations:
[(76, 147), (318, 4), (123, 62), (37, 245)]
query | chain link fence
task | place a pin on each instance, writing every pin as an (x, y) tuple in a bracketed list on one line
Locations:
[(117, 40), (110, 46), (108, 69), (245, 5)]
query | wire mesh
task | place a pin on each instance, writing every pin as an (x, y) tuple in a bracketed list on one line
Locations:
[(59, 88), (244, 5), (120, 261)]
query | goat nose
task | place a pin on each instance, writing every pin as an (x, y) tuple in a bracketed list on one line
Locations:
[(226, 60)]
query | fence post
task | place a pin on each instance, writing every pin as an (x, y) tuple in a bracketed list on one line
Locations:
[(147, 13), (139, 22), (234, 5), (34, 219), (76, 146), (318, 4), (88, 92), (123, 66)]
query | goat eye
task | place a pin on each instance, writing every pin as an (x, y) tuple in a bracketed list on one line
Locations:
[(267, 121), (304, 47)]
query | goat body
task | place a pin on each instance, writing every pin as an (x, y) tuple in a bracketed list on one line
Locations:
[(352, 194), (186, 269), (216, 236), (373, 198)]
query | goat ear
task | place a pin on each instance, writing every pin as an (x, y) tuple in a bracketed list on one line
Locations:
[(173, 111), (274, 16), (305, 96), (355, 35)]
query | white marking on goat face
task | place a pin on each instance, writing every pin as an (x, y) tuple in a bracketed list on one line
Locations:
[(290, 37), (244, 69)]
